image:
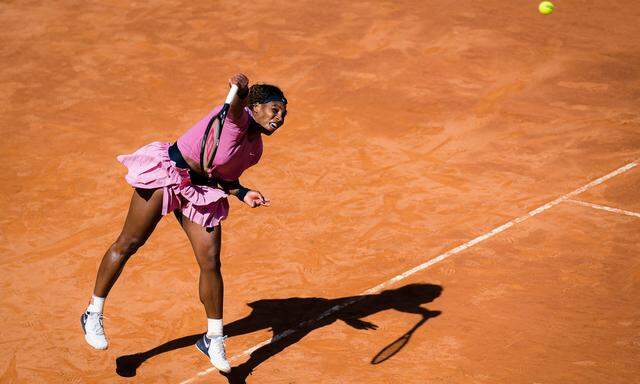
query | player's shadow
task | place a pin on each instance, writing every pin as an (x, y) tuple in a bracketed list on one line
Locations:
[(303, 315)]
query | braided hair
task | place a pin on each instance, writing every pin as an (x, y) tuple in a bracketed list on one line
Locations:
[(264, 93)]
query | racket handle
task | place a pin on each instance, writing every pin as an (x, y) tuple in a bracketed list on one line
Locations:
[(231, 94)]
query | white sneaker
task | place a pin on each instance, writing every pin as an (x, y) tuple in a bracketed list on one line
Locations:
[(94, 330), (214, 349)]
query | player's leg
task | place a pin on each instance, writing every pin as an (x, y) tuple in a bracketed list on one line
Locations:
[(206, 247), (144, 213)]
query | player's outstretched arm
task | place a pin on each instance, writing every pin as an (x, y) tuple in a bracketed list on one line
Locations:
[(250, 197)]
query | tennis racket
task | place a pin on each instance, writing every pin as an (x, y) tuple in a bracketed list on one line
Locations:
[(211, 137)]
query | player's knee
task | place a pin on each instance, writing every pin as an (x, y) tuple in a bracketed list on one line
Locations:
[(125, 247), (210, 264)]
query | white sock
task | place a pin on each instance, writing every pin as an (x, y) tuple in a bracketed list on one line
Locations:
[(96, 304), (214, 327)]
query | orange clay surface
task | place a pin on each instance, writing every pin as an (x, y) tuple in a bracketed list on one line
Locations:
[(414, 127)]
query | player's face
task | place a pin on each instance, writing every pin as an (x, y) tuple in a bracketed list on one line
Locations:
[(270, 116)]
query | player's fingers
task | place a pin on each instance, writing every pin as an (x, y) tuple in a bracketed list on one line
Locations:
[(240, 80)]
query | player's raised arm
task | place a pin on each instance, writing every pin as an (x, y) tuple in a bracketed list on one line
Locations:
[(239, 101)]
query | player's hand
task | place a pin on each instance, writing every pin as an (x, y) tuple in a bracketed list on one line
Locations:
[(242, 82), (255, 199)]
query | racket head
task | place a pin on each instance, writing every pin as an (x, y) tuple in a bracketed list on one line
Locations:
[(210, 142), (211, 139), (211, 136)]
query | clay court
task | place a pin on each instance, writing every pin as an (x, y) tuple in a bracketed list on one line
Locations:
[(455, 194)]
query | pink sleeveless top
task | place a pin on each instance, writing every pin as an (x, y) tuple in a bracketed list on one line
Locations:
[(239, 148)]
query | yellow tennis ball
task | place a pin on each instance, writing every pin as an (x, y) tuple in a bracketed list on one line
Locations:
[(546, 7)]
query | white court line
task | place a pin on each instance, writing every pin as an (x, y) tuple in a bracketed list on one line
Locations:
[(426, 264), (604, 208)]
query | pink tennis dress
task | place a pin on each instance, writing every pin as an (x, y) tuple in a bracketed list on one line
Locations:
[(150, 167)]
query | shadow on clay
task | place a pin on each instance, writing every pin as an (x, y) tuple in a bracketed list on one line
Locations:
[(300, 314)]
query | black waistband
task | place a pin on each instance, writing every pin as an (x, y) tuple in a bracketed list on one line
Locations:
[(196, 178), (176, 156)]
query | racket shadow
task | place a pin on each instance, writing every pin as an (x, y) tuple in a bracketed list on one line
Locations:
[(396, 346), (280, 315)]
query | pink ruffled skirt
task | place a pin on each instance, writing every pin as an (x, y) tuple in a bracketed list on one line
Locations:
[(150, 167)]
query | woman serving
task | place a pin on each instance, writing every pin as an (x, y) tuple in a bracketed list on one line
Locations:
[(168, 178)]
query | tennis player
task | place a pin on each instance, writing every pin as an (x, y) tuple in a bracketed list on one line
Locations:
[(168, 178)]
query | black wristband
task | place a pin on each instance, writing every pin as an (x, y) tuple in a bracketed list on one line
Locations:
[(228, 185), (242, 192)]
